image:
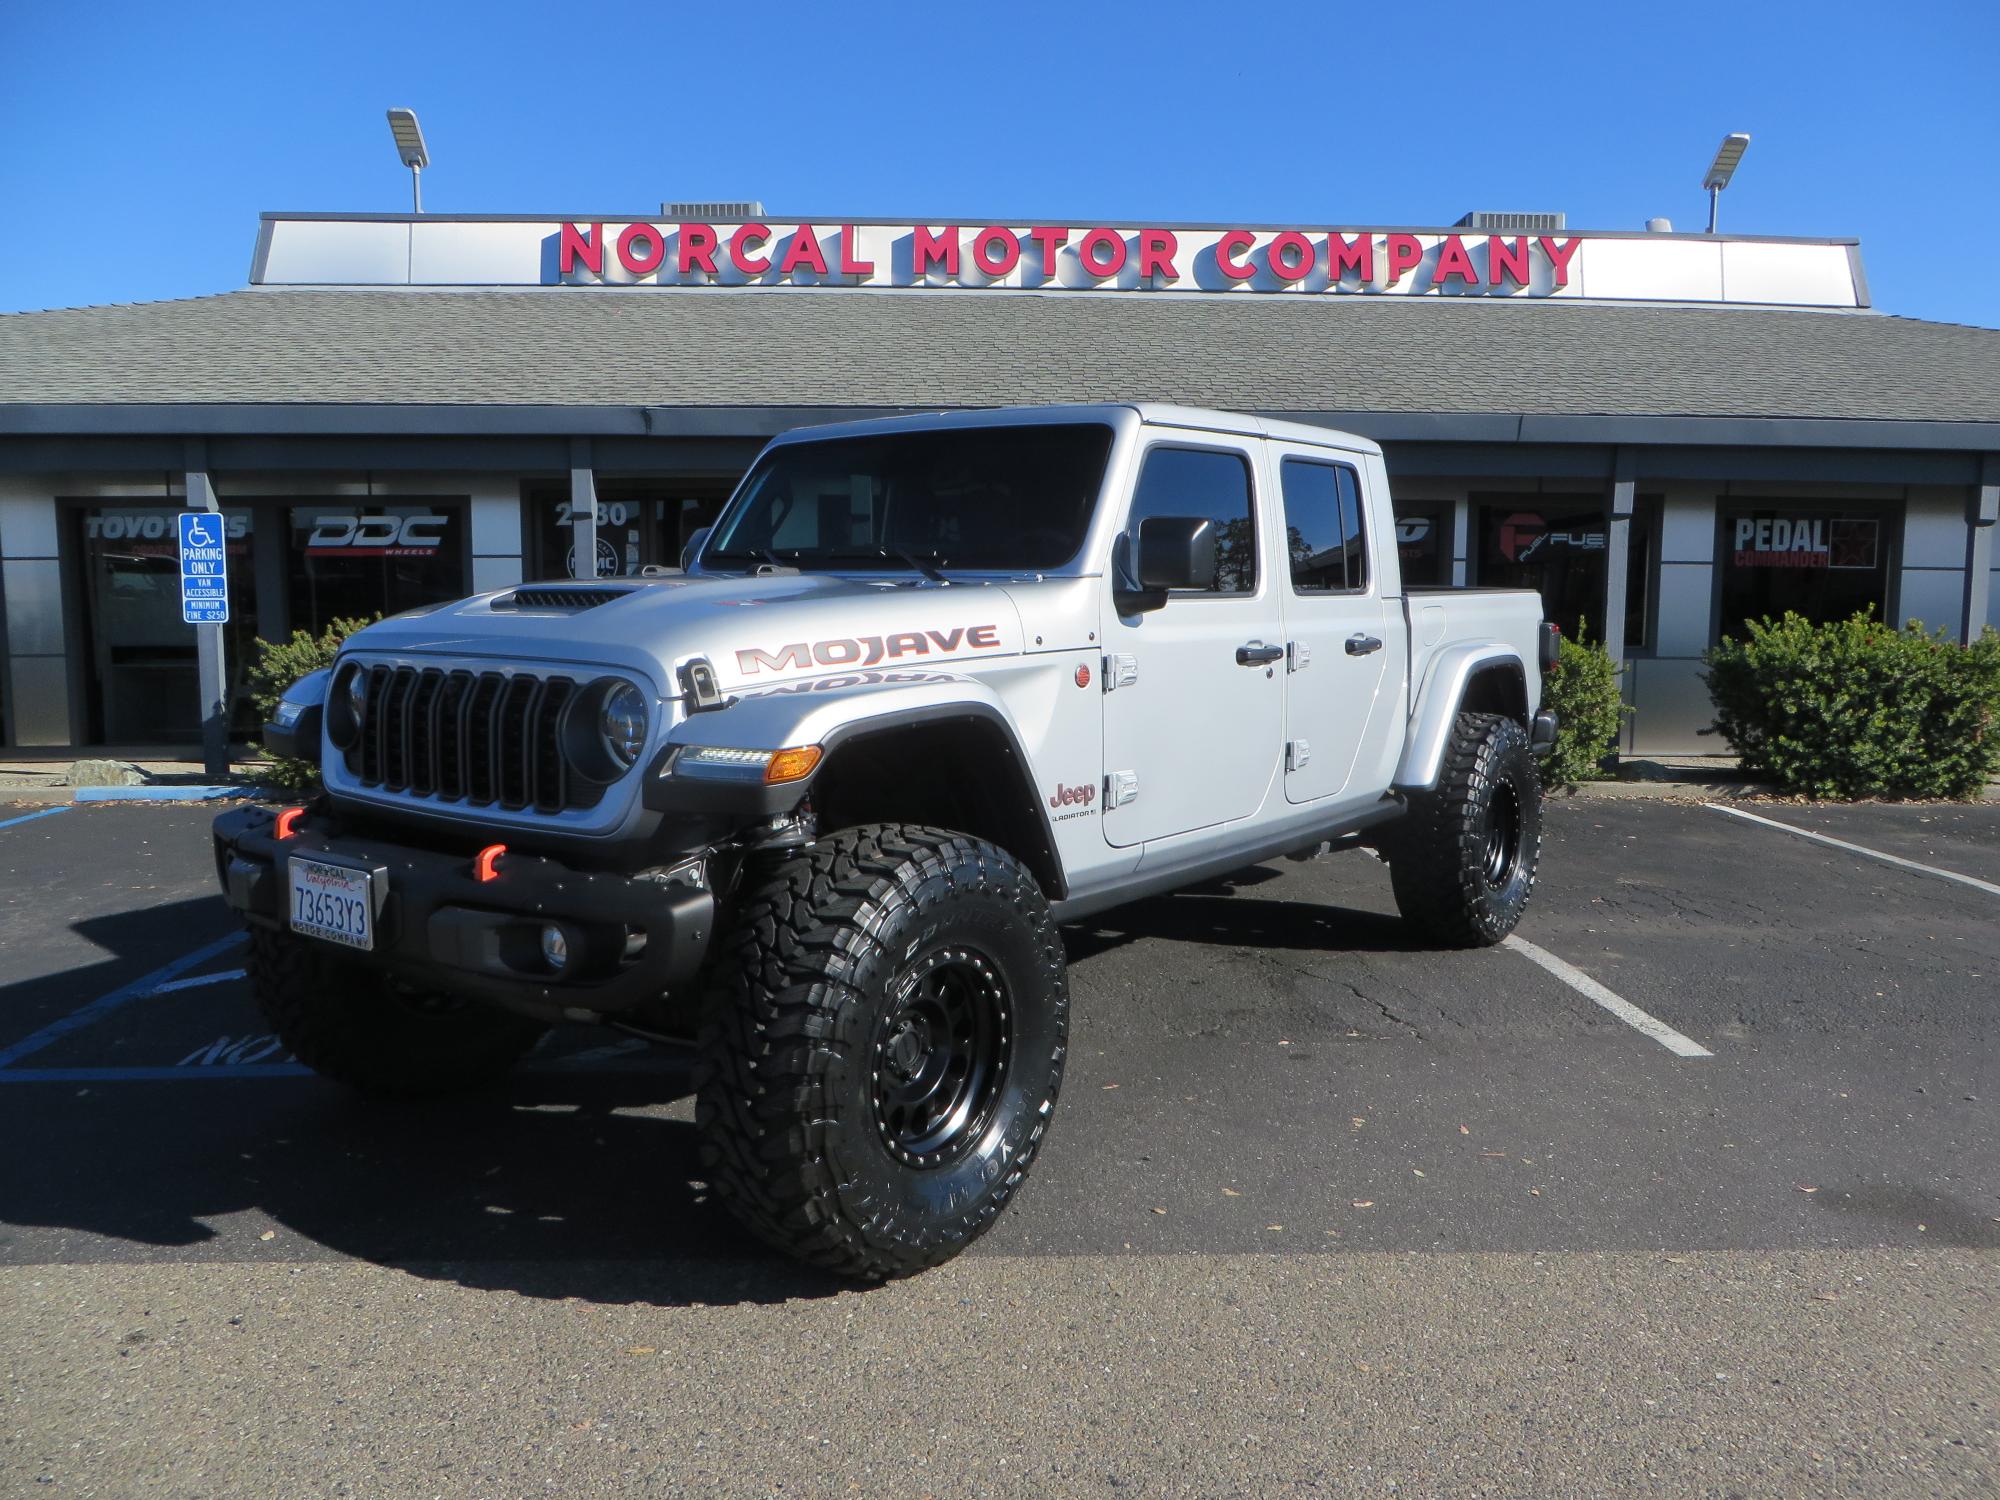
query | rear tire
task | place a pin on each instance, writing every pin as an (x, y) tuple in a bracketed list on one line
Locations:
[(882, 1044), (1463, 861), (360, 1028)]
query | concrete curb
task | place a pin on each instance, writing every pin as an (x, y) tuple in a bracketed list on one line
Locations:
[(1670, 791), (161, 793)]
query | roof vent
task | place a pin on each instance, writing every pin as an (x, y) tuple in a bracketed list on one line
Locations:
[(710, 213), (1659, 226), (1515, 223)]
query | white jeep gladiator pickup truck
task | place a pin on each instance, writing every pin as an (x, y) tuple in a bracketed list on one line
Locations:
[(930, 687)]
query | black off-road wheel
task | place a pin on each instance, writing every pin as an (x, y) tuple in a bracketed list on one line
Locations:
[(360, 1028), (881, 1046), (1463, 861)]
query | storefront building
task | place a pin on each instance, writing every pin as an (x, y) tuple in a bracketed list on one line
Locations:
[(1665, 434)]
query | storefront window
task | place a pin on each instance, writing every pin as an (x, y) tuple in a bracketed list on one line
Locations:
[(1423, 543), (348, 561), (1823, 562), (640, 523), (145, 682), (1535, 542)]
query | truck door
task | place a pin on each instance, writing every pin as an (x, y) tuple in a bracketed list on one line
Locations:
[(1194, 690), (1342, 636)]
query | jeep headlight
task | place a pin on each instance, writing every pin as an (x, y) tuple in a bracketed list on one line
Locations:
[(727, 763), (347, 706), (621, 724)]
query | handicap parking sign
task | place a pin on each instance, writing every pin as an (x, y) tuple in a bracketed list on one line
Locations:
[(204, 569)]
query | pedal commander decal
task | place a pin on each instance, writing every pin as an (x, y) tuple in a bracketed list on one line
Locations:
[(867, 650)]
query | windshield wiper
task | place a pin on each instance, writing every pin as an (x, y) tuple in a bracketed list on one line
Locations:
[(751, 554), (929, 566)]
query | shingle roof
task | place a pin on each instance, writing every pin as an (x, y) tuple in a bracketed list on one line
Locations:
[(787, 348)]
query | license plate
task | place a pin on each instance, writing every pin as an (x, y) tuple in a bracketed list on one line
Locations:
[(335, 903)]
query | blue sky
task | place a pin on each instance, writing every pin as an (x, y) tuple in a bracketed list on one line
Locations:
[(139, 142)]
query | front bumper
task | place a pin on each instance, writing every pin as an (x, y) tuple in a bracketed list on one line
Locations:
[(631, 938)]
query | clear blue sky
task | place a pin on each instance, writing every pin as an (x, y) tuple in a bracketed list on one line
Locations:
[(138, 142)]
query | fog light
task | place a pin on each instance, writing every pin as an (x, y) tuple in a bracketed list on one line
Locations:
[(555, 947)]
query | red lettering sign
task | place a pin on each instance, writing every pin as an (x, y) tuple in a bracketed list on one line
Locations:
[(1406, 253), (1512, 263), (850, 264), (804, 251), (1050, 240), (1102, 253), (992, 262), (1226, 253), (739, 249), (927, 249), (1559, 257), (1454, 264), (1157, 248), (641, 262), (1290, 255), (574, 245), (697, 249), (1359, 257)]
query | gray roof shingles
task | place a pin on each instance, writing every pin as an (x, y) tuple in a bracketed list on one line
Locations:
[(560, 347)]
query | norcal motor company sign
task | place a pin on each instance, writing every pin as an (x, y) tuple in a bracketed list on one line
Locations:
[(439, 250), (1062, 257)]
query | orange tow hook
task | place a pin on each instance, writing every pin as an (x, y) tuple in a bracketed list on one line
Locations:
[(288, 822), (483, 865)]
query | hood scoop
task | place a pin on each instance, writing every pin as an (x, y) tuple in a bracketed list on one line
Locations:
[(559, 597)]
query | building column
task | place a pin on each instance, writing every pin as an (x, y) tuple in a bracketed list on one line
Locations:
[(583, 506), (1461, 532), (37, 660), (1982, 513), (1618, 552)]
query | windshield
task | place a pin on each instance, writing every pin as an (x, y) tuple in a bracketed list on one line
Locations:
[(983, 499)]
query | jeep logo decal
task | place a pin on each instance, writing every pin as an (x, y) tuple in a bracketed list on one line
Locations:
[(1065, 796), (867, 650)]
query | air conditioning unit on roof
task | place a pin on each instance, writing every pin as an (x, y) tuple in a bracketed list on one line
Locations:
[(1515, 223), (708, 213)]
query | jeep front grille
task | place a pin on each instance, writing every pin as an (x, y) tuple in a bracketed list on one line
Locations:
[(486, 739)]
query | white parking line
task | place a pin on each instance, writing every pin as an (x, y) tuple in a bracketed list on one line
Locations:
[(1887, 859), (1618, 1005)]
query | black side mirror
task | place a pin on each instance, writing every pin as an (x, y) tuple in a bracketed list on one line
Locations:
[(1176, 552)]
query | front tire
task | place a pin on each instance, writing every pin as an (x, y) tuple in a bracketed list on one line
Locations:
[(881, 1047), (1463, 862), (360, 1028)]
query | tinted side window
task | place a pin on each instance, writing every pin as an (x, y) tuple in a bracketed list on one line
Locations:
[(1323, 526), (1191, 482)]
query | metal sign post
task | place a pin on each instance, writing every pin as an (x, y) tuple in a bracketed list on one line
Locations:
[(205, 605)]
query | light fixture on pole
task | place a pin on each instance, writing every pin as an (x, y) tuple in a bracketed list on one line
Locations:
[(410, 146), (1727, 155)]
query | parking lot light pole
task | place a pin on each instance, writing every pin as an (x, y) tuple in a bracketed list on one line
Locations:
[(1727, 155), (410, 147)]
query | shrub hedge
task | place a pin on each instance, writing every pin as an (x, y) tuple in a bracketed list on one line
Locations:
[(1583, 690), (279, 664), (1859, 709)]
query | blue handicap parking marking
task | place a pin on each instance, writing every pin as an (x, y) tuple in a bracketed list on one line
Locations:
[(198, 1022)]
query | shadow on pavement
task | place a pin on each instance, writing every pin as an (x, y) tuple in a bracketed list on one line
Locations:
[(1212, 915), (552, 1187)]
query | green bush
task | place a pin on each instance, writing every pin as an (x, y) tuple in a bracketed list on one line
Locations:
[(1583, 690), (279, 664), (1858, 709)]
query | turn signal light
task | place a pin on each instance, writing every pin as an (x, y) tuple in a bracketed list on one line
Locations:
[(791, 765), (288, 820)]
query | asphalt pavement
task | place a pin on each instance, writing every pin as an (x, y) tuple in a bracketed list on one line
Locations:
[(1699, 1193)]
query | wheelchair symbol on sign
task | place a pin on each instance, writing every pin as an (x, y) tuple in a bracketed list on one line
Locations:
[(198, 536)]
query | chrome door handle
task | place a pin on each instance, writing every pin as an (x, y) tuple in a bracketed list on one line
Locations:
[(1361, 645), (1257, 654)]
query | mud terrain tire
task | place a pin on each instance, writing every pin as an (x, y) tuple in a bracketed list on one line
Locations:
[(1463, 861), (882, 1043)]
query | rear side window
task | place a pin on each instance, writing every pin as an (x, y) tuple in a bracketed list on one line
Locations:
[(1323, 527), (1201, 482)]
